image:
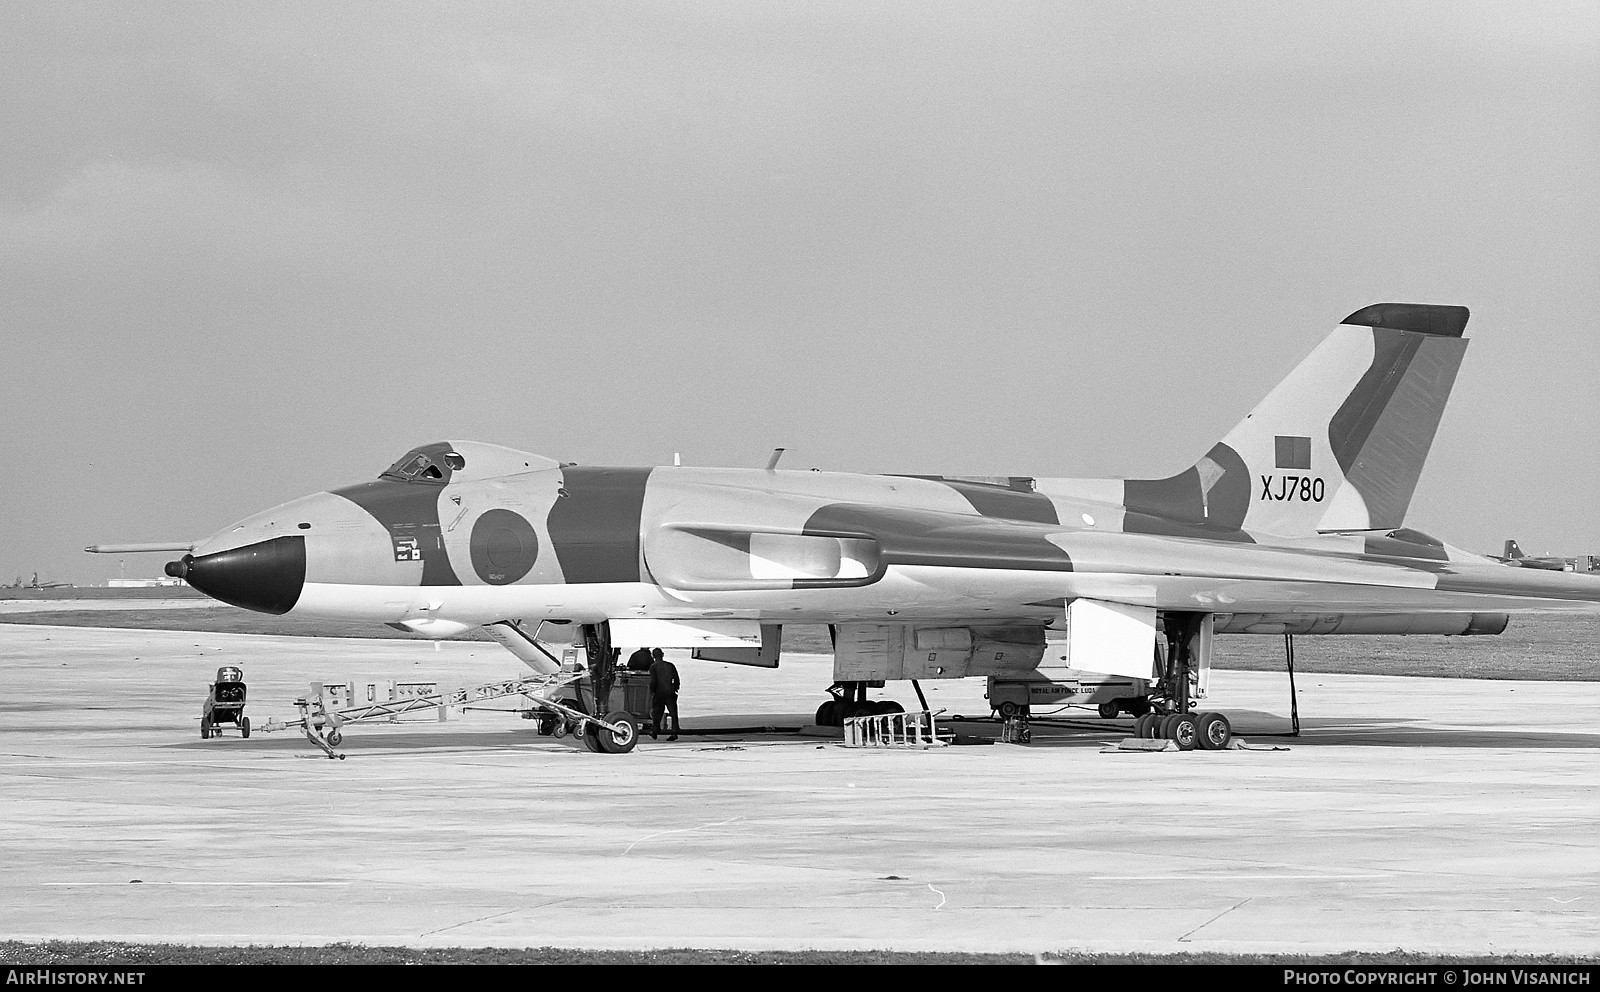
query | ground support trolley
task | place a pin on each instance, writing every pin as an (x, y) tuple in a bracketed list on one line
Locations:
[(615, 733), (225, 704)]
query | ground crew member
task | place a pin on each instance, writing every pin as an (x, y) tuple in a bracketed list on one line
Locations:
[(640, 660), (663, 694)]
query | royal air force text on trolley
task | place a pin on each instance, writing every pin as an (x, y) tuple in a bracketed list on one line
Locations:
[(56, 976), (1463, 976)]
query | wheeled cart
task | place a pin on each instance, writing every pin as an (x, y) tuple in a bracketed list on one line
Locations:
[(225, 704)]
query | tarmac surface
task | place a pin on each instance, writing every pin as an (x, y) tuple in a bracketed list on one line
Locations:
[(1437, 815), (15, 606)]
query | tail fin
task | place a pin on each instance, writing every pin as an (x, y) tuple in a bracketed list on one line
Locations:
[(1339, 444), (1512, 551)]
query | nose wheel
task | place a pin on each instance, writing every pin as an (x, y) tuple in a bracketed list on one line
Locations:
[(618, 735)]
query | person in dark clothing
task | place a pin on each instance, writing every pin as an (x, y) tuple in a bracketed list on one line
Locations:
[(663, 694), (640, 660)]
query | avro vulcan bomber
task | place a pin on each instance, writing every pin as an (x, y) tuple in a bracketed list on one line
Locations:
[(1295, 522)]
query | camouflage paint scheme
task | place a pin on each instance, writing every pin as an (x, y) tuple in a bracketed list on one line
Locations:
[(1294, 521)]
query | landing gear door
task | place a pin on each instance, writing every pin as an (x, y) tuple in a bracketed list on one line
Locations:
[(732, 642), (765, 656), (1111, 638)]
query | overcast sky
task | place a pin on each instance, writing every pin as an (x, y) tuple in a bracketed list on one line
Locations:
[(253, 251)]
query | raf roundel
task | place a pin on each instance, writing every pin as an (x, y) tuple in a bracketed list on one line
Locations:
[(504, 547)]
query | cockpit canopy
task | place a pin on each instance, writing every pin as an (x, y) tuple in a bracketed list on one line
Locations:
[(423, 465), (442, 462)]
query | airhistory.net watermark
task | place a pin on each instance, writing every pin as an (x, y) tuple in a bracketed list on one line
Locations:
[(71, 976)]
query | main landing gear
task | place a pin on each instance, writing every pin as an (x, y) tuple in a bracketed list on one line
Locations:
[(1190, 731), (850, 699), (1173, 719)]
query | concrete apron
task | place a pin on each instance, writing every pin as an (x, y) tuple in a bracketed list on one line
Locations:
[(1444, 816)]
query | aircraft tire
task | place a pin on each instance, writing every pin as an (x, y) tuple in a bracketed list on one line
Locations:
[(824, 714), (205, 729), (1141, 726), (591, 737), (244, 727), (1164, 727), (1185, 731), (1110, 711), (889, 706), (1215, 732), (619, 743)]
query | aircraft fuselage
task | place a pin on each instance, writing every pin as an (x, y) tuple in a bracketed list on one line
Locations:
[(546, 541)]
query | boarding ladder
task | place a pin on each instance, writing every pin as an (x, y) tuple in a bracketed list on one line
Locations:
[(896, 730)]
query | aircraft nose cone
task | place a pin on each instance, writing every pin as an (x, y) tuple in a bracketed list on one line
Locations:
[(266, 577)]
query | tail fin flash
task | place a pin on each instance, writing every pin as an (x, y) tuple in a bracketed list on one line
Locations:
[(1339, 444), (1512, 551)]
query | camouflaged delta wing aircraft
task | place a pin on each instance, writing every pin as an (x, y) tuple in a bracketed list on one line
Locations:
[(1293, 523)]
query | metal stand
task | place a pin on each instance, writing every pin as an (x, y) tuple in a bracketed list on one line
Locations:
[(1015, 730), (894, 730)]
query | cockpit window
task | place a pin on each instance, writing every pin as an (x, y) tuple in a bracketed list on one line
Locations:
[(413, 467), (432, 463)]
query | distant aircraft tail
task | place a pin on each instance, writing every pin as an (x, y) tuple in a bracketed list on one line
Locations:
[(1338, 445), (1512, 551)]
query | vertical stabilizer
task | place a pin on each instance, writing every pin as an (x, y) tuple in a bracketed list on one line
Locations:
[(1338, 445)]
